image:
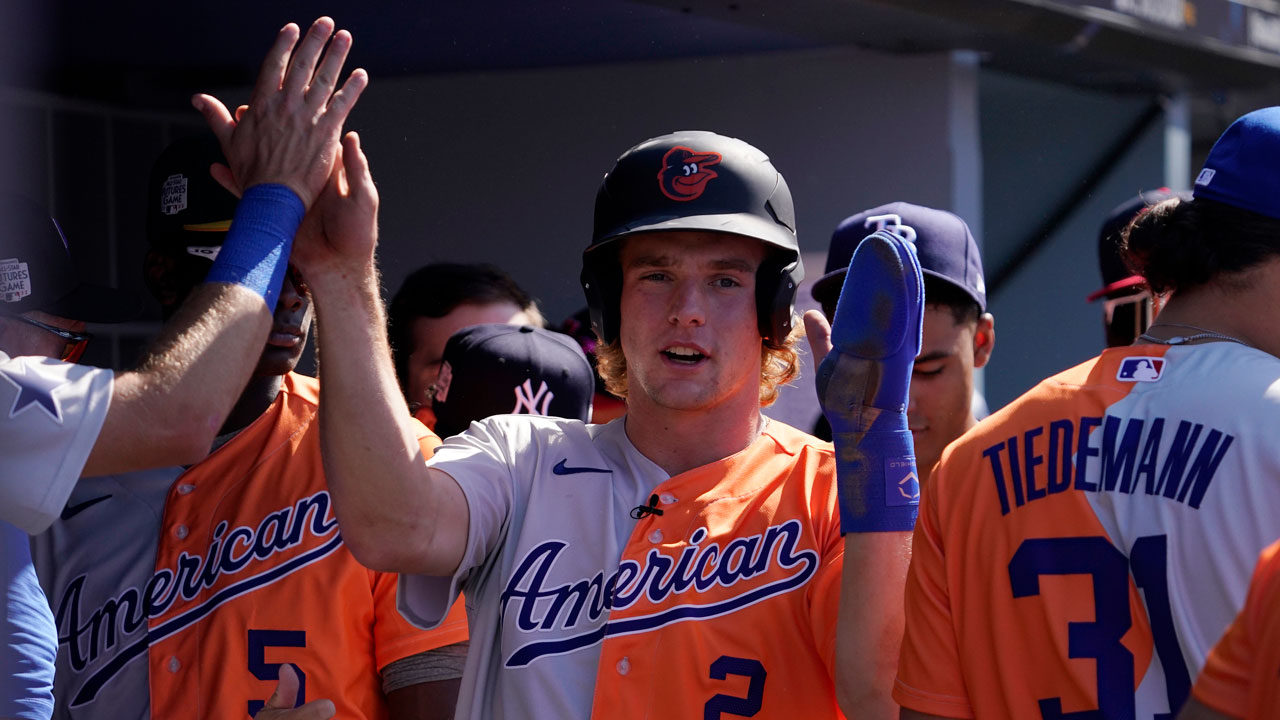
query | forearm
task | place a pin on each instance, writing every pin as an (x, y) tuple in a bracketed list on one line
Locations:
[(387, 501), (869, 633), (187, 383)]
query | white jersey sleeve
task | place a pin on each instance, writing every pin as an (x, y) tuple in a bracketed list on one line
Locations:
[(50, 415), (480, 462)]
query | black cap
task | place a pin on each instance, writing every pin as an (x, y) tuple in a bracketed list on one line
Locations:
[(37, 273), (495, 369), (1116, 277), (187, 210), (944, 245)]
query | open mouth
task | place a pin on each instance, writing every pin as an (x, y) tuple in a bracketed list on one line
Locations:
[(684, 355)]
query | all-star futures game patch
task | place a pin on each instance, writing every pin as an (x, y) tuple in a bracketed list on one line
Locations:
[(685, 173), (15, 280)]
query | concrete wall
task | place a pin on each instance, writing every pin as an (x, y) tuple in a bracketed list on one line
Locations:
[(1038, 142)]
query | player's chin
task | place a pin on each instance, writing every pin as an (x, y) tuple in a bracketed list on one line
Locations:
[(278, 361)]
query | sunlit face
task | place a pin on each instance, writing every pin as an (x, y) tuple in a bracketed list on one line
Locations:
[(689, 328), (942, 381), (431, 334)]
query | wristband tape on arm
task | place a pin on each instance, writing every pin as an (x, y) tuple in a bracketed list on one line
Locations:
[(255, 253)]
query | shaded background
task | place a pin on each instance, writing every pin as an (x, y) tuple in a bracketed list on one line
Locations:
[(490, 123)]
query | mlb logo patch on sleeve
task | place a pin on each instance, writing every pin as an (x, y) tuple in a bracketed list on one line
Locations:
[(1141, 369)]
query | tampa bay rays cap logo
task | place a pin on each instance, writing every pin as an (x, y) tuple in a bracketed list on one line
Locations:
[(685, 173)]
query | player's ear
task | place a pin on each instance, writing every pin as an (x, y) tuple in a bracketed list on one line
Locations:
[(984, 339)]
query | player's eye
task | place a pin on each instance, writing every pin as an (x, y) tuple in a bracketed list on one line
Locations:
[(727, 282)]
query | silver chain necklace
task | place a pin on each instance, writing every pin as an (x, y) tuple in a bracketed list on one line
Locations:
[(1204, 334)]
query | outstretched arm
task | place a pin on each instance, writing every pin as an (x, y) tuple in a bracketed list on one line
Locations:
[(281, 152), (397, 515), (871, 597), (864, 367)]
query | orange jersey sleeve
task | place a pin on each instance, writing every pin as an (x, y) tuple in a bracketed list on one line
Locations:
[(1240, 676), (930, 657)]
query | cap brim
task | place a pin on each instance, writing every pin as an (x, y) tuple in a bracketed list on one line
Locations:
[(732, 223), (826, 289), (96, 304), (1130, 282)]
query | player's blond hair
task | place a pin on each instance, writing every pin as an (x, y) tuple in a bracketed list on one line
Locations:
[(779, 364)]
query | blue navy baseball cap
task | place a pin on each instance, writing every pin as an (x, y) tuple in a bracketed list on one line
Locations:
[(946, 248), (496, 369), (1243, 168)]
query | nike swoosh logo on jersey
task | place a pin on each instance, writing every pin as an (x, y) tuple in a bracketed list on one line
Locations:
[(562, 469), (71, 511)]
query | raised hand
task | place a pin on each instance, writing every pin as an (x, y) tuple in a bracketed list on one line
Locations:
[(289, 133), (342, 227)]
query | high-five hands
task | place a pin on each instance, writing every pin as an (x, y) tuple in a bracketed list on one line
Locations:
[(289, 132)]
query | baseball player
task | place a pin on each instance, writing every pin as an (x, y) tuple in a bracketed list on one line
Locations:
[(1080, 551), (241, 538), (434, 302), (958, 334), (62, 420), (502, 369), (1128, 307), (1238, 679), (683, 561)]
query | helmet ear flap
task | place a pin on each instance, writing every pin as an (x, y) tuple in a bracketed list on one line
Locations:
[(602, 283), (776, 283)]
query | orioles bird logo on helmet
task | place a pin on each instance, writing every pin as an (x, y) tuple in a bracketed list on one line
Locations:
[(685, 172)]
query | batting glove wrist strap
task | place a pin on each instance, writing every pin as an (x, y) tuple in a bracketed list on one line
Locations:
[(255, 253), (863, 384)]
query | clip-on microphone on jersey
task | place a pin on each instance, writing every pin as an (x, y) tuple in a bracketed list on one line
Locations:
[(642, 511)]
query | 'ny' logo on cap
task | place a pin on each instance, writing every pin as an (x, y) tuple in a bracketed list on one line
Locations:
[(892, 223), (527, 401)]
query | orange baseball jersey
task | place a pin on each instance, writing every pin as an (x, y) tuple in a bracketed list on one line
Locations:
[(1080, 550), (718, 601), (250, 572), (1241, 678)]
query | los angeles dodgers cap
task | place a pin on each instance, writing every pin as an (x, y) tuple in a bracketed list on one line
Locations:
[(1116, 276), (187, 210), (945, 246), (37, 271), (496, 369), (1241, 168)]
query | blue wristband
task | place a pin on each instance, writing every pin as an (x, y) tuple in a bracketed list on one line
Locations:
[(255, 253), (863, 385)]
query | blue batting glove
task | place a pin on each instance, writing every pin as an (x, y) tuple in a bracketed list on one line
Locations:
[(863, 383)]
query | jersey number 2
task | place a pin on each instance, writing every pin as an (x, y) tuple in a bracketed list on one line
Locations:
[(721, 704), (259, 641), (1100, 639)]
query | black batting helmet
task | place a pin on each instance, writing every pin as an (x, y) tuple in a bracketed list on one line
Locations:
[(695, 180)]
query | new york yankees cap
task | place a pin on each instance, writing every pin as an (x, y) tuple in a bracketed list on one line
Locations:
[(37, 271), (1116, 276), (1241, 168), (495, 369), (188, 212), (944, 245)]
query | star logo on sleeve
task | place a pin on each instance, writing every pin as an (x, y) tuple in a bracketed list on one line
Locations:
[(34, 389)]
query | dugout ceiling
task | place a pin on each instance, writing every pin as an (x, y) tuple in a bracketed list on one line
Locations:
[(149, 52)]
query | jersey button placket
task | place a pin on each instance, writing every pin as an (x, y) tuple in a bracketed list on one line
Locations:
[(181, 532), (624, 666)]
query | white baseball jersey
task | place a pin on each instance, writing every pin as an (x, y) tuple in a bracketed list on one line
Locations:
[(723, 605), (95, 563), (1085, 546), (50, 416)]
